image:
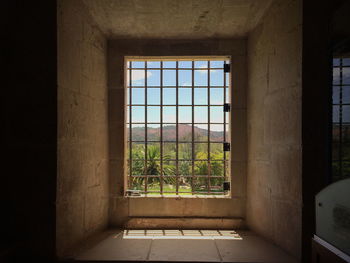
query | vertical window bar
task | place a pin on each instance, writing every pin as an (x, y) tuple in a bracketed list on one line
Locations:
[(341, 117), (209, 161), (193, 154), (146, 139), (224, 122), (161, 128), (130, 126), (177, 127)]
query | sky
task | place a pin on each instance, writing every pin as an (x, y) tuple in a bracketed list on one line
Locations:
[(185, 91)]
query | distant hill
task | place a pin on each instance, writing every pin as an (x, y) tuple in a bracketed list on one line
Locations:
[(169, 133)]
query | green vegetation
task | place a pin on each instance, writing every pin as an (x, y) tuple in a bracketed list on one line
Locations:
[(185, 167)]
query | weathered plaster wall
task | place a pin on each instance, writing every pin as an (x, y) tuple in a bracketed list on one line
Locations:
[(274, 198), (82, 189), (123, 208)]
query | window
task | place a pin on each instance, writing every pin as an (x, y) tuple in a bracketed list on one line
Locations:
[(341, 119), (178, 126)]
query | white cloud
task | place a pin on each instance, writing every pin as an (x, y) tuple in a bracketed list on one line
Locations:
[(138, 76), (205, 71)]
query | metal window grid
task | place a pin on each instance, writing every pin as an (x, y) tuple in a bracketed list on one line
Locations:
[(341, 124), (193, 177)]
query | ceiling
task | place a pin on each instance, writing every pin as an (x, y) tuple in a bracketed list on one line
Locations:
[(177, 19)]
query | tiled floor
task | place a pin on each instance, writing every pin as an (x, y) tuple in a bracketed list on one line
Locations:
[(186, 245)]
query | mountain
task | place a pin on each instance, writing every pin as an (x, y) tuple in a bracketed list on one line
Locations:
[(169, 133)]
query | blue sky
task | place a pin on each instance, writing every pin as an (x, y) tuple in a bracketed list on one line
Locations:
[(185, 91)]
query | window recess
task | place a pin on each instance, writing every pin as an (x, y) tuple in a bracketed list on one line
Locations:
[(178, 126)]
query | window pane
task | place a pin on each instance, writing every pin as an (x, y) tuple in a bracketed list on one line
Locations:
[(153, 64), (153, 78), (138, 64), (201, 132), (201, 77), (153, 185), (137, 183), (185, 77), (201, 64), (138, 113), (216, 77), (169, 150), (216, 185), (336, 76), (185, 96), (153, 114), (201, 168), (138, 96), (216, 151), (169, 168), (153, 132), (153, 151), (217, 168), (201, 151), (336, 132), (217, 96), (216, 114), (336, 61), (335, 117), (169, 78), (346, 114), (200, 185), (169, 64), (336, 95), (201, 114), (169, 132), (138, 132), (185, 151), (201, 96), (346, 134), (153, 167), (138, 150), (169, 96), (185, 64), (217, 64), (185, 168), (169, 184), (346, 61), (185, 185), (346, 76), (185, 114), (185, 132), (345, 151), (346, 94), (153, 96), (217, 132), (169, 114), (138, 77)]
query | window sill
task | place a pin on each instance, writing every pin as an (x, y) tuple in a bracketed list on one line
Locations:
[(228, 196)]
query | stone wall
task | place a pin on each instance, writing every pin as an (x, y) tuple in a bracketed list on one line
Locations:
[(274, 198), (82, 188)]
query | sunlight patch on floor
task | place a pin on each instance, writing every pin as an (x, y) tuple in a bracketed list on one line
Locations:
[(181, 234)]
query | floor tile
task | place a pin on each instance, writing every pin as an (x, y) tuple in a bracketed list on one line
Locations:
[(251, 249), (184, 250), (116, 248)]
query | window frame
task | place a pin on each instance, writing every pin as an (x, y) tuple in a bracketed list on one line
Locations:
[(226, 86)]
